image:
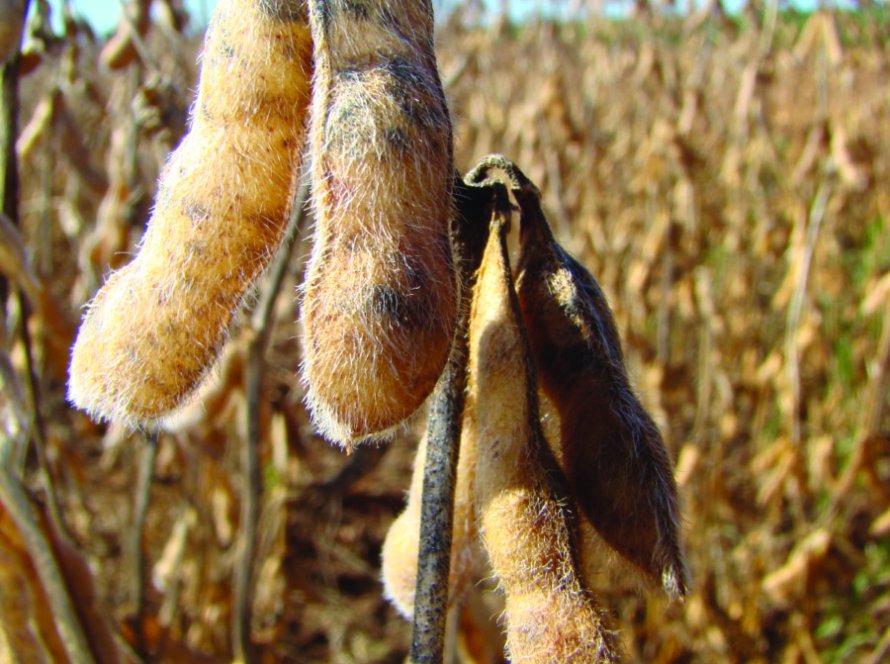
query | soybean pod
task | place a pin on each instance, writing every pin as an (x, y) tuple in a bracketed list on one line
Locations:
[(379, 299), (524, 515), (612, 452), (155, 328)]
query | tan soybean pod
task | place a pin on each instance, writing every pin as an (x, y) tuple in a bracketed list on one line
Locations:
[(400, 547), (525, 526), (224, 197), (610, 449), (379, 299)]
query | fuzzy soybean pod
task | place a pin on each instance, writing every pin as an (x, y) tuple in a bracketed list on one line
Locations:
[(379, 299), (523, 514), (400, 548), (157, 325), (610, 449)]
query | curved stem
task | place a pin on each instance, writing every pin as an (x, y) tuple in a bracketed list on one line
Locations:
[(252, 479)]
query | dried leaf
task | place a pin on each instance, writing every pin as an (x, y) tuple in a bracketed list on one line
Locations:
[(14, 260)]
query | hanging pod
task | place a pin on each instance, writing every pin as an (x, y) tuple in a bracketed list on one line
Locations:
[(523, 512), (610, 449), (379, 300), (153, 330), (400, 548)]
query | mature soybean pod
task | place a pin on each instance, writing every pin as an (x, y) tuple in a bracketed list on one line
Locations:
[(523, 518), (380, 295), (400, 548), (610, 449), (155, 327)]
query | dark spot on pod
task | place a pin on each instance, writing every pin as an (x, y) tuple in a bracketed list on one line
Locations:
[(356, 9), (388, 303), (195, 211), (344, 122), (397, 139), (286, 11), (227, 50), (351, 73), (408, 74), (403, 305), (405, 310), (417, 93)]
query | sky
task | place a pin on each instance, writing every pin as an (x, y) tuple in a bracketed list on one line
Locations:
[(104, 14)]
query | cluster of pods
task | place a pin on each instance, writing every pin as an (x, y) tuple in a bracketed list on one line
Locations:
[(557, 453)]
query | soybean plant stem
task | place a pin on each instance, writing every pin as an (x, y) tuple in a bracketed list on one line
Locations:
[(137, 535), (437, 509), (252, 481), (443, 440)]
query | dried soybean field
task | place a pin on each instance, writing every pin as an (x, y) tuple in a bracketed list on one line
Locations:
[(727, 181)]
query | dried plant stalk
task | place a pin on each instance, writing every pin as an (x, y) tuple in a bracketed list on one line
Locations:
[(28, 599), (12, 14), (610, 449), (523, 519), (154, 328), (121, 49), (47, 598), (27, 618), (380, 294)]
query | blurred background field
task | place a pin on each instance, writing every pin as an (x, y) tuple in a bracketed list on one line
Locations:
[(724, 177)]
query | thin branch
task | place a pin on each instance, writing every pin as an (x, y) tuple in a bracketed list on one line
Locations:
[(12, 494), (796, 306), (141, 10), (137, 535), (38, 428), (261, 324), (437, 509), (9, 181), (250, 506), (871, 414)]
